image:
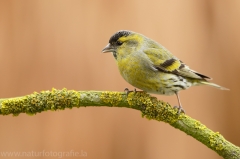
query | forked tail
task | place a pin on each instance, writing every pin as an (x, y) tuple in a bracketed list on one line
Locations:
[(213, 85)]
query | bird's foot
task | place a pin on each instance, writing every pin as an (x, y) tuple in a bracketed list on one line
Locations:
[(180, 109), (127, 91)]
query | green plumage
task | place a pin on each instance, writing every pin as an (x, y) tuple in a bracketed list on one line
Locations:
[(149, 66)]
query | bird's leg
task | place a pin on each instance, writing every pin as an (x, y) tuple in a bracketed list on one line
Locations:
[(180, 108), (128, 91)]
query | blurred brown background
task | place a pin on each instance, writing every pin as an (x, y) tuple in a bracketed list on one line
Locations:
[(58, 43)]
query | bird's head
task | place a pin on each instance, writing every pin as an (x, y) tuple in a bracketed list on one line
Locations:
[(123, 43)]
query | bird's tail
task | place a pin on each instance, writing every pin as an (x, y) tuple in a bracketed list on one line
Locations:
[(213, 85)]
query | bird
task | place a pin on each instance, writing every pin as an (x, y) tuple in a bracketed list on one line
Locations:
[(149, 66)]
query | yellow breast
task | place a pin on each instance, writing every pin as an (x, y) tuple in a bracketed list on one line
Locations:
[(138, 73)]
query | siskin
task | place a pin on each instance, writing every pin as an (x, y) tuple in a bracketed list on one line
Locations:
[(149, 66)]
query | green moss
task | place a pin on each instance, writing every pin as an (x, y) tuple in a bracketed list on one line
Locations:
[(113, 98), (152, 108), (199, 126), (38, 102), (138, 98), (216, 141)]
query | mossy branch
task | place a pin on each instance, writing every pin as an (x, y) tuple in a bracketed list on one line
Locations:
[(150, 107)]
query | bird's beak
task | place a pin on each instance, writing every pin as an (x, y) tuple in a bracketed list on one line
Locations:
[(108, 48)]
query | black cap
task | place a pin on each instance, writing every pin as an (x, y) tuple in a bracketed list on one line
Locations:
[(118, 35)]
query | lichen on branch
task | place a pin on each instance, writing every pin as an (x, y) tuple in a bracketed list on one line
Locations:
[(150, 107)]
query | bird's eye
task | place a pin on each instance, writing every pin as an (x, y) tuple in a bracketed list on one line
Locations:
[(119, 43)]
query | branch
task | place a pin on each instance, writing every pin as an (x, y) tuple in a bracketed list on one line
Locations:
[(150, 107)]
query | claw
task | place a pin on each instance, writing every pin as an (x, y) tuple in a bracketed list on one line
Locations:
[(180, 109), (128, 91)]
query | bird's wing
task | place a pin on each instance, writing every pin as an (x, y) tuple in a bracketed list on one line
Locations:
[(164, 61)]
